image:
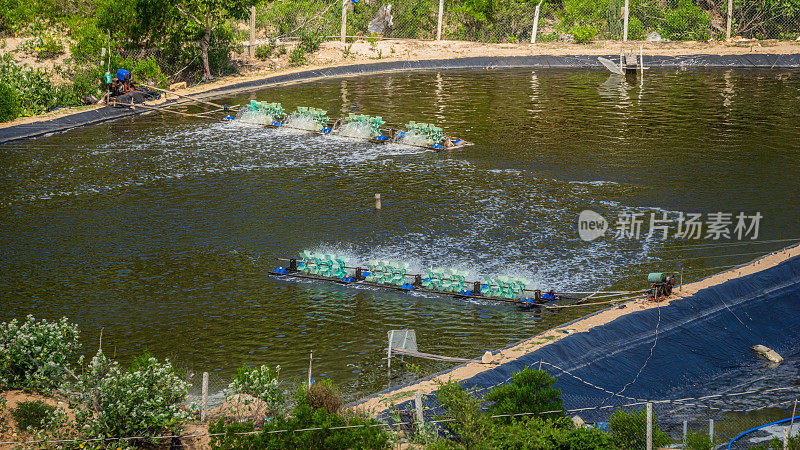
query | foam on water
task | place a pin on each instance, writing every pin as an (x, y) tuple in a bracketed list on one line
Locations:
[(253, 117), (302, 122), (412, 138), (358, 130)]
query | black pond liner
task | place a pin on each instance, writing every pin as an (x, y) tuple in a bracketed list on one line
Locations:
[(702, 347), (749, 61)]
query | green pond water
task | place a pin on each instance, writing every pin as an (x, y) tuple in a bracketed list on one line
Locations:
[(163, 230)]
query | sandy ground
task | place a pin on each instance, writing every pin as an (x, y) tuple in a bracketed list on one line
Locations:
[(334, 53), (380, 403), (8, 428)]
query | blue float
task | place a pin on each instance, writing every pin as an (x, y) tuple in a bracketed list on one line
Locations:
[(281, 271)]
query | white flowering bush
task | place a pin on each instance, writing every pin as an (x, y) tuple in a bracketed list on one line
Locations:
[(254, 394), (260, 382), (145, 400), (36, 355)]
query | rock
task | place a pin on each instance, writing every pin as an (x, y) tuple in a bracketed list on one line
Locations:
[(176, 86), (487, 358), (768, 353), (382, 22), (654, 37)]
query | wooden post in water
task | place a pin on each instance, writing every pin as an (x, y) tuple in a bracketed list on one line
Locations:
[(439, 23), (535, 23), (204, 398), (343, 37), (377, 201), (649, 426)]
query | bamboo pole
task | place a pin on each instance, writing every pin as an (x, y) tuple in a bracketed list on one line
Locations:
[(154, 108), (191, 98), (649, 426), (204, 398)]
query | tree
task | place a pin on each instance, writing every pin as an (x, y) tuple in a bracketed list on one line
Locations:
[(530, 392), (209, 14)]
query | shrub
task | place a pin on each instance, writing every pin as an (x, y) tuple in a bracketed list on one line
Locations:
[(264, 51), (530, 391), (555, 434), (698, 441), (628, 430), (310, 412), (260, 382), (9, 104), (583, 34), (34, 415), (145, 400), (297, 57), (34, 88), (469, 423), (320, 395), (36, 355)]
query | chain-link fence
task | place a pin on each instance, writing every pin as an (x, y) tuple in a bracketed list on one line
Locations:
[(513, 20)]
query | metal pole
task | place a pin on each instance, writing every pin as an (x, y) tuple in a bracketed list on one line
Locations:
[(310, 360), (711, 429), (252, 32), (535, 23), (418, 408), (389, 353), (204, 398), (730, 21), (343, 37), (649, 436), (685, 430), (439, 23), (625, 23)]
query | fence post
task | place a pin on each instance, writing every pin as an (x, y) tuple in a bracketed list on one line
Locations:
[(343, 37), (389, 353), (535, 23), (204, 398), (730, 21), (418, 408), (711, 429), (685, 430), (439, 23), (649, 426), (252, 31), (625, 23), (310, 360)]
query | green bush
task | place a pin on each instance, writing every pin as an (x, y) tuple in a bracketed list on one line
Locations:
[(469, 423), (34, 88), (698, 441), (145, 400), (9, 103), (628, 430), (88, 39), (35, 415), (583, 34), (312, 411), (552, 434), (320, 395), (36, 355), (530, 391), (297, 57), (264, 51)]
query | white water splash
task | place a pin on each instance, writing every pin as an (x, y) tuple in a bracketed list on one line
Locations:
[(358, 130), (302, 122), (254, 117), (411, 138)]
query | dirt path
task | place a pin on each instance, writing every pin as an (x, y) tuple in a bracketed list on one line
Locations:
[(374, 405), (334, 54)]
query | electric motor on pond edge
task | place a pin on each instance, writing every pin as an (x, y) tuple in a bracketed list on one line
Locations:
[(657, 277)]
